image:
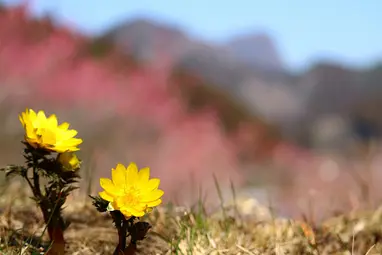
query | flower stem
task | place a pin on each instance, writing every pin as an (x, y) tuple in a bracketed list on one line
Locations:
[(50, 207), (122, 232), (123, 226), (36, 177), (54, 224), (36, 182), (119, 222), (131, 249), (56, 234)]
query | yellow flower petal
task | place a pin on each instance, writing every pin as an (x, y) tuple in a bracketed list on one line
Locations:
[(106, 196), (154, 203), (152, 196), (41, 117), (114, 204), (130, 211), (31, 113), (67, 134), (109, 187), (131, 174), (52, 120), (64, 126), (153, 184), (48, 137), (143, 175), (127, 214), (118, 175)]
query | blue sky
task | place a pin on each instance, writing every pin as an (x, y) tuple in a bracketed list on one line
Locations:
[(344, 30)]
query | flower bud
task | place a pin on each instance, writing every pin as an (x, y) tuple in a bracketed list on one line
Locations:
[(69, 161)]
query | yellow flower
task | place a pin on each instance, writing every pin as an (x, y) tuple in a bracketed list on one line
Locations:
[(45, 133), (69, 161), (131, 191)]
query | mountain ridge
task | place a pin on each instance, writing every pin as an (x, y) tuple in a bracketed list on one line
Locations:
[(254, 73), (160, 33)]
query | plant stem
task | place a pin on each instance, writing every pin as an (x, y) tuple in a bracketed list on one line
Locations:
[(122, 232), (120, 223), (36, 177), (36, 182), (131, 249), (54, 223), (30, 185), (56, 235), (50, 210)]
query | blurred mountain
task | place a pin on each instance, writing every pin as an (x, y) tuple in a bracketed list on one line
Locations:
[(144, 39), (334, 92), (257, 50), (250, 68), (147, 38)]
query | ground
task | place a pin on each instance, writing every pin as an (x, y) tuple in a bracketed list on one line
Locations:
[(231, 230)]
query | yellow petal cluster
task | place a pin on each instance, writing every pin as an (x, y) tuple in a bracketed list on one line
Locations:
[(45, 133), (131, 191), (69, 161)]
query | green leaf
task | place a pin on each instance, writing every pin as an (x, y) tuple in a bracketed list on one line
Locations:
[(99, 203), (13, 170)]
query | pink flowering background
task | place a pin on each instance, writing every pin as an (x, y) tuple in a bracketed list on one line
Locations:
[(175, 112)]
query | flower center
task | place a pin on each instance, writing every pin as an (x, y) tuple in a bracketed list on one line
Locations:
[(131, 195)]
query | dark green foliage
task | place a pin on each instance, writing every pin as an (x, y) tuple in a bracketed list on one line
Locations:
[(99, 203), (42, 164), (12, 170)]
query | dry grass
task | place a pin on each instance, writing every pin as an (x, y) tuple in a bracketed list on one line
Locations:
[(236, 229)]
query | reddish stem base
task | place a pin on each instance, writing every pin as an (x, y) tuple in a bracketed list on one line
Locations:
[(56, 235)]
